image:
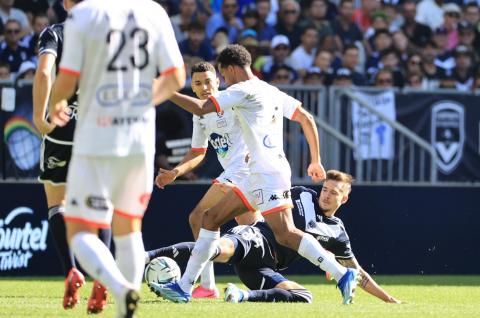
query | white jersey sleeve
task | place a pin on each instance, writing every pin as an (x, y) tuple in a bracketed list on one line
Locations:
[(73, 41), (199, 137), (229, 98), (291, 106), (169, 57)]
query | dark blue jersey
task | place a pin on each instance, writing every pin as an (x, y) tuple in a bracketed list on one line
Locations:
[(51, 42)]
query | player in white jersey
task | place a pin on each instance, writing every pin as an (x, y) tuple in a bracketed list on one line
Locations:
[(225, 137), (113, 49), (260, 109)]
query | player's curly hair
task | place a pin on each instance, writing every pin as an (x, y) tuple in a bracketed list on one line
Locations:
[(201, 67), (344, 177), (234, 54)]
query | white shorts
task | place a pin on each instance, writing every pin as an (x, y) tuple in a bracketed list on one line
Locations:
[(232, 176), (99, 186), (267, 193)]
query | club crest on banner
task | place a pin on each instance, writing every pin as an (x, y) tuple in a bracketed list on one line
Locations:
[(448, 134)]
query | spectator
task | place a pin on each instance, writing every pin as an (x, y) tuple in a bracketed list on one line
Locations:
[(316, 15), (467, 36), (400, 44), (346, 32), (433, 73), (181, 21), (350, 60), (362, 15), (265, 30), (303, 56), (451, 16), (11, 51), (40, 22), (390, 60), (382, 40), (279, 50), (343, 77), (379, 22), (8, 12), (5, 74), (196, 44), (384, 78), (463, 74), (313, 76), (415, 81), (26, 71), (249, 41), (226, 19), (429, 12), (471, 13), (417, 33), (414, 64), (289, 15), (282, 75), (220, 40), (444, 57), (324, 60)]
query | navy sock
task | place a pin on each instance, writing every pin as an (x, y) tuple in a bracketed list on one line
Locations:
[(280, 295), (105, 235), (56, 225), (179, 252)]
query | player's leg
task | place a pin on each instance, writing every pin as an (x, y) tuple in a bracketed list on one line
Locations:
[(266, 285), (306, 245)]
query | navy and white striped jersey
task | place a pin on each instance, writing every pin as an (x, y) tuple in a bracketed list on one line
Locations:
[(307, 216), (51, 42)]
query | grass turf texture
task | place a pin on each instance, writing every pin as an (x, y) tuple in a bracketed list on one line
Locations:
[(425, 296)]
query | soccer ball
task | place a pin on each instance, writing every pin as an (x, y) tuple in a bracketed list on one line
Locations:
[(162, 270)]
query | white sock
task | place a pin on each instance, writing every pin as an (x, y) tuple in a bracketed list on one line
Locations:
[(130, 257), (207, 278), (317, 255), (97, 260), (204, 249)]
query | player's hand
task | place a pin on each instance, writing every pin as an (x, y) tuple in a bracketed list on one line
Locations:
[(43, 126), (165, 177), (317, 172), (60, 113), (392, 300)]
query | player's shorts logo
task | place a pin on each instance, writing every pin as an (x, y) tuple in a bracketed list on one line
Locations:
[(53, 162), (97, 203), (448, 134)]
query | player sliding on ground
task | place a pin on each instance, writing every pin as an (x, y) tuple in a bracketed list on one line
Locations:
[(257, 257), (225, 137), (114, 50), (260, 109)]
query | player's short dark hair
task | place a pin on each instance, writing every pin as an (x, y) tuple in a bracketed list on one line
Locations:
[(201, 67), (234, 55), (344, 177), (196, 25)]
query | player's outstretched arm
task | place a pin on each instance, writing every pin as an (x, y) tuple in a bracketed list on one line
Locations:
[(368, 284), (193, 105), (63, 88), (42, 84), (191, 160), (164, 86), (309, 127)]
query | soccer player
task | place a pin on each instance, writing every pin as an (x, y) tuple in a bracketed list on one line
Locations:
[(256, 256), (222, 132), (113, 50), (260, 109), (55, 159)]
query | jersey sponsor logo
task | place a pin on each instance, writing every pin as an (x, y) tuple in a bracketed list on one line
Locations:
[(267, 142), (111, 95), (448, 134), (221, 144), (20, 241), (97, 203), (53, 162), (120, 121)]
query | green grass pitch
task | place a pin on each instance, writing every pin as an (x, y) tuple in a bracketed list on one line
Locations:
[(425, 296)]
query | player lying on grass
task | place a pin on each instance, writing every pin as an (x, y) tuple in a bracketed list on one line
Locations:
[(224, 136), (257, 257)]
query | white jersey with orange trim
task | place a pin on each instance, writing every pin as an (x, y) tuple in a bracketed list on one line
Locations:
[(117, 47), (221, 130), (259, 108)]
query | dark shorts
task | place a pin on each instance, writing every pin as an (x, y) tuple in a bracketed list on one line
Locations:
[(254, 259), (54, 161)]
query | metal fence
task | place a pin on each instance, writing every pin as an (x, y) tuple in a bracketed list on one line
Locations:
[(413, 158)]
